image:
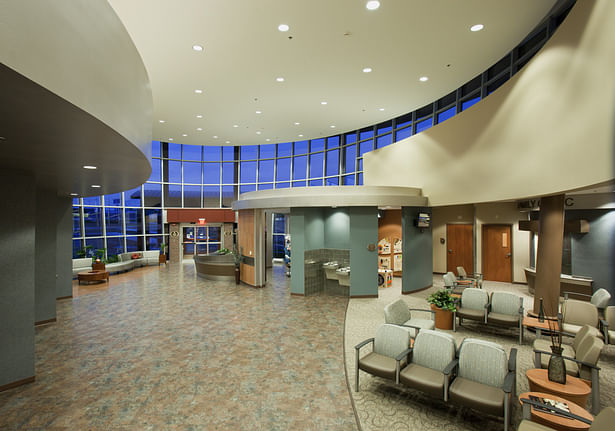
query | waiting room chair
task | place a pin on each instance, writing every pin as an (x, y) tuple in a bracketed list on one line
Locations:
[(472, 305), (577, 313), (398, 313), (476, 278), (486, 378), (602, 422), (570, 350), (584, 364), (600, 298), (390, 341), (430, 363), (608, 325), (455, 286), (506, 309)]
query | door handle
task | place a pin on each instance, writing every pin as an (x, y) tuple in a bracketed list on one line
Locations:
[(508, 254), (450, 251)]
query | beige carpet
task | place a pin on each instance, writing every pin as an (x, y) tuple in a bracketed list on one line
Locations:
[(383, 405)]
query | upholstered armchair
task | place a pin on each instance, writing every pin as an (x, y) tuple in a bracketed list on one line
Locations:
[(506, 309), (398, 313), (570, 350), (602, 422), (430, 363), (384, 360), (472, 305), (476, 278), (577, 313), (608, 325), (455, 286), (486, 378), (600, 298), (583, 364)]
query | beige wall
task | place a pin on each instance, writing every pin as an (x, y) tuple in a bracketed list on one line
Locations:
[(548, 129), (440, 217)]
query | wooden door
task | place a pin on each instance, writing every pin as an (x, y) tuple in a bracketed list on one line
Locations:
[(497, 252), (459, 250)]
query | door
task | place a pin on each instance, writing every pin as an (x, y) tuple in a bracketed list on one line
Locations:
[(497, 252), (459, 248)]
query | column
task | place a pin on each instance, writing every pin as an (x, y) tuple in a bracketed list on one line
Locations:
[(417, 247)]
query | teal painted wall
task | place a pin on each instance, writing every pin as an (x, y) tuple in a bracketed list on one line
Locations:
[(363, 263), (314, 228), (336, 228), (297, 237), (417, 247)]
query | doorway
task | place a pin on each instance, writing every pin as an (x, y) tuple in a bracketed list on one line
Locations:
[(200, 239), (459, 251), (497, 252)]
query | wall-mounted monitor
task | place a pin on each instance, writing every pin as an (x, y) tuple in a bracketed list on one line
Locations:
[(423, 220)]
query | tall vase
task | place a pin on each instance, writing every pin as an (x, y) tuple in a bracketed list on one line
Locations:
[(541, 312), (556, 370)]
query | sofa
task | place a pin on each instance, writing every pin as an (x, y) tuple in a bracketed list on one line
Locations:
[(126, 262), (140, 258), (81, 264)]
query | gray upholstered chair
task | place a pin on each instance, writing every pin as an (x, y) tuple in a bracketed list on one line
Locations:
[(583, 364), (430, 363), (486, 378), (506, 309), (600, 298), (577, 313), (570, 350), (476, 278), (455, 286), (602, 422), (472, 305), (608, 325), (384, 360), (398, 313)]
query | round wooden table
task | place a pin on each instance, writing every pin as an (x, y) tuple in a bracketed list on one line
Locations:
[(575, 389), (94, 275), (555, 421)]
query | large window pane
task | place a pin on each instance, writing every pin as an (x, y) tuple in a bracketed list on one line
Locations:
[(76, 222), (192, 152), (316, 183), (299, 167), (211, 196), (95, 244), (153, 242), (365, 147), (360, 180), (265, 186), (403, 133), (445, 115), (298, 183), (114, 200), (115, 246), (211, 154), (228, 153), (192, 196), (175, 151), (334, 181), (333, 161), (383, 141), (153, 221), (467, 103), (77, 248), (76, 201), (247, 188), (366, 134), (284, 149), (155, 149), (156, 172), (265, 171), (333, 141), (134, 243), (133, 220), (424, 125), (174, 172), (278, 246), (316, 165), (267, 151), (152, 195), (249, 152), (317, 145), (283, 169), (172, 195), (212, 248), (211, 173), (92, 220), (301, 147), (113, 219), (213, 233), (348, 180), (279, 223), (192, 173), (201, 233), (350, 138), (132, 198), (384, 128), (92, 200), (247, 172), (229, 195), (351, 158), (228, 173)]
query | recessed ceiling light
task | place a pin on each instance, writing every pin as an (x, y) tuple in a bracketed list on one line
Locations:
[(279, 79), (283, 27), (197, 91), (381, 109), (74, 194), (95, 186), (333, 127), (372, 5), (228, 142), (323, 103), (199, 128), (197, 47), (199, 116), (477, 27), (267, 139), (89, 167), (258, 132), (215, 136), (161, 121), (259, 112), (423, 78), (301, 136), (296, 123), (170, 139), (235, 125), (367, 69), (183, 134)]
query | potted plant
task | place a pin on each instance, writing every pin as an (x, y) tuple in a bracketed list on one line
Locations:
[(237, 259), (98, 259), (443, 304), (163, 257)]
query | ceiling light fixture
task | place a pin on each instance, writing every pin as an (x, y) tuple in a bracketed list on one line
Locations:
[(323, 103), (161, 121), (199, 128), (297, 123), (197, 48), (267, 139), (170, 139), (228, 142), (381, 109), (423, 78), (259, 112), (183, 134), (367, 69), (215, 136), (279, 79), (477, 27), (95, 186), (372, 5), (283, 27), (333, 127), (73, 194), (197, 91), (258, 132), (89, 167), (301, 136), (199, 116), (235, 125)]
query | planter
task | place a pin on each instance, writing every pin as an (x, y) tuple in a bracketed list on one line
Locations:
[(237, 278), (444, 318), (556, 370), (162, 259)]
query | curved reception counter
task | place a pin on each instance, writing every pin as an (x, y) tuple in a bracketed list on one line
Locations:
[(215, 266)]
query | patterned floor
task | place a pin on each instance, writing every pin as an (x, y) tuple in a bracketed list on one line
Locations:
[(383, 405), (160, 348)]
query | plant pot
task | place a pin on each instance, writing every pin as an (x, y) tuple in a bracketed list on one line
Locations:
[(237, 278), (556, 370), (162, 259), (444, 318)]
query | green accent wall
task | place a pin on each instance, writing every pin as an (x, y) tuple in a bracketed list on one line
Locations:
[(336, 228), (417, 265), (363, 263)]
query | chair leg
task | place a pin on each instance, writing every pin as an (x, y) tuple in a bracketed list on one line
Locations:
[(537, 360), (506, 413), (595, 391), (356, 384)]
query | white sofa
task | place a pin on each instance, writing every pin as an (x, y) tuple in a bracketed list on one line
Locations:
[(82, 264), (125, 263), (146, 258)]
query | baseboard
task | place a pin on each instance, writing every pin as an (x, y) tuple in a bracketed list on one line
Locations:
[(296, 294), (439, 273), (17, 383), (519, 282), (44, 322), (59, 298), (363, 296), (417, 290)]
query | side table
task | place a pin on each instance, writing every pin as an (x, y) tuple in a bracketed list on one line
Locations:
[(555, 421), (575, 389)]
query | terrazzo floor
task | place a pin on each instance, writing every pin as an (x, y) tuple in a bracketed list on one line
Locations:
[(159, 348)]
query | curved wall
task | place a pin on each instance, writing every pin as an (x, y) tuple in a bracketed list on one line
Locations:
[(547, 130), (80, 51)]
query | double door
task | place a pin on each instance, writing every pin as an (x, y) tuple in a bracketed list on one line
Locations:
[(200, 240)]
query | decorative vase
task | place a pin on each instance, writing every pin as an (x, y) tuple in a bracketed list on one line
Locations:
[(541, 312), (556, 370), (443, 318)]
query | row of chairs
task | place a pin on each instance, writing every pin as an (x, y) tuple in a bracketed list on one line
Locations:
[(478, 375)]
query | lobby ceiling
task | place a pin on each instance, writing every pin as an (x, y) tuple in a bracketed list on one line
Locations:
[(321, 58)]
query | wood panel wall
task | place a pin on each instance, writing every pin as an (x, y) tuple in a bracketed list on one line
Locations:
[(245, 237)]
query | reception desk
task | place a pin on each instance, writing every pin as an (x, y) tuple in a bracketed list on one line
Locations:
[(568, 283), (215, 266)]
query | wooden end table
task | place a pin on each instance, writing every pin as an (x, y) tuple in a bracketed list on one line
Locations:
[(555, 421), (575, 389), (538, 326), (94, 275)]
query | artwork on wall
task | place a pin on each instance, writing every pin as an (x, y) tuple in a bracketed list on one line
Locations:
[(397, 262), (384, 262), (397, 246), (384, 246)]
